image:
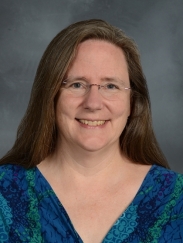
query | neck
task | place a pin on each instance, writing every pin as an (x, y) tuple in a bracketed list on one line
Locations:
[(87, 163)]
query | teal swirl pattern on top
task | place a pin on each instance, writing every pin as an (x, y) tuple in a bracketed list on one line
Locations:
[(5, 226), (124, 226), (31, 212)]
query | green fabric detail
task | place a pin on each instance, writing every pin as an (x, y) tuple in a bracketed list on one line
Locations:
[(5, 219), (156, 230), (2, 175), (33, 233)]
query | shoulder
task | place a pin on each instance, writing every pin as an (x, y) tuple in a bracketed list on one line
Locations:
[(14, 179), (10, 173), (15, 184), (166, 175), (17, 203), (164, 186), (168, 185)]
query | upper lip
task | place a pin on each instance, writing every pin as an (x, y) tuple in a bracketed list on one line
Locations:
[(88, 119)]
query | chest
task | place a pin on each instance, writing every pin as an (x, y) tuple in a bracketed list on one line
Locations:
[(93, 212)]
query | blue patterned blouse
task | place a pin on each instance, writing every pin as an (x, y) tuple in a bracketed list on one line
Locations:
[(31, 212)]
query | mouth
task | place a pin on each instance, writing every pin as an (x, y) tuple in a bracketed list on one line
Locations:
[(92, 123)]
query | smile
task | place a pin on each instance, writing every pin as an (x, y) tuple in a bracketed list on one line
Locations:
[(92, 123)]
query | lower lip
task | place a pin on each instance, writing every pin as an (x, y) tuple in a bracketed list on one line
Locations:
[(92, 127)]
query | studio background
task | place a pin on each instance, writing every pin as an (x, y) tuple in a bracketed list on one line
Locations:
[(27, 27)]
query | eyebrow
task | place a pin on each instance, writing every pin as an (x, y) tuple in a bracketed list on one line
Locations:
[(113, 79), (106, 79), (77, 78)]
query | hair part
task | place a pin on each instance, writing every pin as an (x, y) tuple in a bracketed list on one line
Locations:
[(37, 133)]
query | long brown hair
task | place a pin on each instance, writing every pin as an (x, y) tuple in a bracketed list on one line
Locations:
[(37, 133)]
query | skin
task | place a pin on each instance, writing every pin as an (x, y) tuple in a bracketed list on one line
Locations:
[(88, 171), (95, 61)]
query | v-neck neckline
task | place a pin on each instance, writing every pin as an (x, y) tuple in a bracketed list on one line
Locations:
[(135, 200)]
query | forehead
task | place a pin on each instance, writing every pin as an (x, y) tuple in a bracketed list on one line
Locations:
[(99, 58), (95, 45)]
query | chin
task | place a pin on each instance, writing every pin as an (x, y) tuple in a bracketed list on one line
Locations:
[(94, 146)]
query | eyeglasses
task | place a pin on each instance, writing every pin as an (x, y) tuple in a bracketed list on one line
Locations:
[(109, 89)]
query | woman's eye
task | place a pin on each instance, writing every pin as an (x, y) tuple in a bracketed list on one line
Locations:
[(76, 85), (111, 86)]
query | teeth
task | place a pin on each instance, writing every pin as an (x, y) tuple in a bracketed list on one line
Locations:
[(92, 123)]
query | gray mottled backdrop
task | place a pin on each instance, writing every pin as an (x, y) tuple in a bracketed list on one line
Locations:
[(26, 28)]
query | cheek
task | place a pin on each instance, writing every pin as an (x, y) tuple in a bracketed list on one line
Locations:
[(123, 109), (62, 118), (60, 111), (65, 108), (124, 113)]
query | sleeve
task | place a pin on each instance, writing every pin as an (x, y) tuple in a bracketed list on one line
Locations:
[(5, 211), (174, 229)]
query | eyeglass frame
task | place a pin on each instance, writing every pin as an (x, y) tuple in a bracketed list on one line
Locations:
[(88, 86)]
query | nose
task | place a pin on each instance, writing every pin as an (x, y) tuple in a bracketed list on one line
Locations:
[(93, 99)]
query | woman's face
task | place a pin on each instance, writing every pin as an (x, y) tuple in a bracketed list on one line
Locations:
[(93, 122)]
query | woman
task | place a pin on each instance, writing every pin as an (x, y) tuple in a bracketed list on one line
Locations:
[(86, 166)]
